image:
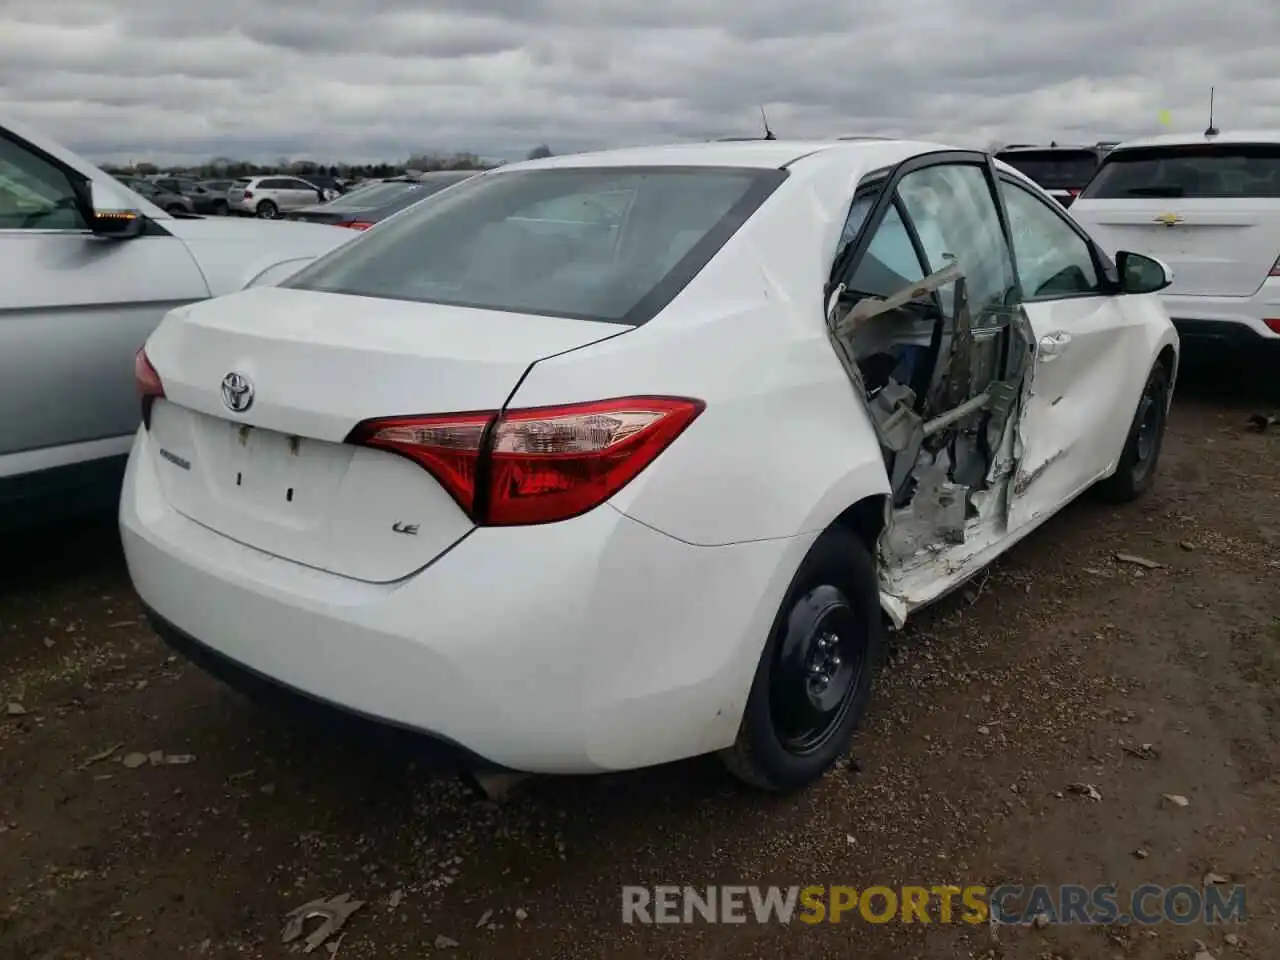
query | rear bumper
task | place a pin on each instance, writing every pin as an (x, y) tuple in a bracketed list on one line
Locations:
[(1222, 324), (577, 647), (432, 751), (1223, 336)]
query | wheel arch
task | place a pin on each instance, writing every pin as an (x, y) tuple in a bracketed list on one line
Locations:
[(1168, 358)]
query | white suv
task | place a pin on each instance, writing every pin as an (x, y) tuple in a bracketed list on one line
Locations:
[(1209, 206), (268, 197)]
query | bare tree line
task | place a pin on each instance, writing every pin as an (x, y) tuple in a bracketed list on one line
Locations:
[(229, 167)]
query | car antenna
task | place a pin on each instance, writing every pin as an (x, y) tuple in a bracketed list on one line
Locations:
[(1211, 130), (768, 134)]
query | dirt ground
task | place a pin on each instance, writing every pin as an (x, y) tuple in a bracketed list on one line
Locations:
[(1036, 677)]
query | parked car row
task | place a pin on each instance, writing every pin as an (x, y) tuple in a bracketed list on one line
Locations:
[(222, 197), (364, 207), (298, 198), (547, 406)]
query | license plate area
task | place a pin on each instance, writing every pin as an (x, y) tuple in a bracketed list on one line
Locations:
[(280, 478)]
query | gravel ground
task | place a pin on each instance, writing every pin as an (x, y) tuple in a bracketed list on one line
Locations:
[(1035, 677)]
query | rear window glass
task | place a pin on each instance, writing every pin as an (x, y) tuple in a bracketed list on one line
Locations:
[(374, 196), (1054, 169), (590, 243), (1205, 171), (396, 204)]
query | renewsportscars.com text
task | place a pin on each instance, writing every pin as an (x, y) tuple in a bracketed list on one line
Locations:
[(944, 904)]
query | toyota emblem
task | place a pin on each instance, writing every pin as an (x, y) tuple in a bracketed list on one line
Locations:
[(237, 392)]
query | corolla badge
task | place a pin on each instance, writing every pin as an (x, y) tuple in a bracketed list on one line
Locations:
[(237, 392), (1169, 219)]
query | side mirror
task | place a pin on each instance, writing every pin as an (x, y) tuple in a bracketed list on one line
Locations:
[(110, 217), (1142, 274)]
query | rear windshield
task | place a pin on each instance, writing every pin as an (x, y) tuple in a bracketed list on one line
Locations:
[(1054, 169), (374, 196), (613, 244), (1201, 170)]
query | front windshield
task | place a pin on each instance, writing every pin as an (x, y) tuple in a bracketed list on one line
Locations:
[(586, 242)]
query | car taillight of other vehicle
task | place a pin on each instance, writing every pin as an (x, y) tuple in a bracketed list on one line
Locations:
[(149, 386)]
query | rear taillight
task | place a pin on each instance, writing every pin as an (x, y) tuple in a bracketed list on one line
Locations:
[(248, 195), (1275, 268), (147, 382), (355, 224), (1273, 324), (536, 465)]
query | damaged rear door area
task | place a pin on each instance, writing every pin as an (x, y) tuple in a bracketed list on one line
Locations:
[(925, 313)]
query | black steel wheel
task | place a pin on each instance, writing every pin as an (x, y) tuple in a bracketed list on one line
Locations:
[(1136, 470), (813, 680)]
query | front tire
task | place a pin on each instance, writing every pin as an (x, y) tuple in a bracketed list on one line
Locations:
[(220, 208), (175, 209), (1136, 470), (267, 210), (813, 681)]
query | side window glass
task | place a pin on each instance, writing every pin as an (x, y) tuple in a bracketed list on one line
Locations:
[(956, 218), (858, 211), (34, 194), (890, 262), (1053, 260)]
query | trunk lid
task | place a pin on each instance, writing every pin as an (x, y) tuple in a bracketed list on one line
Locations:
[(278, 476), (1217, 248), (318, 215)]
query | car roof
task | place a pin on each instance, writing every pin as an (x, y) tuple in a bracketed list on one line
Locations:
[(1190, 139), (761, 154), (1029, 147)]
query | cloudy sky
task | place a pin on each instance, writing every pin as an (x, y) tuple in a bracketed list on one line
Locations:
[(173, 80)]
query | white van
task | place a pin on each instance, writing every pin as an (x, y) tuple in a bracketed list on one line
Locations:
[(1209, 207)]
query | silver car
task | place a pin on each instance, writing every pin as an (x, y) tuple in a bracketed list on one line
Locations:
[(269, 197), (88, 268)]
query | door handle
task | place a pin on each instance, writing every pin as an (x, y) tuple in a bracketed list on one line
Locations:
[(1054, 344)]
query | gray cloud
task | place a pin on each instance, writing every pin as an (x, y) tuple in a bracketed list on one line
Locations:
[(378, 79)]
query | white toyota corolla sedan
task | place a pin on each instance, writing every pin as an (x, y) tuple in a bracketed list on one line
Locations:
[(607, 460)]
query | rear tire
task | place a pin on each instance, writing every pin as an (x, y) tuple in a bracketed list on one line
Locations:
[(813, 681), (267, 210), (1136, 470)]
